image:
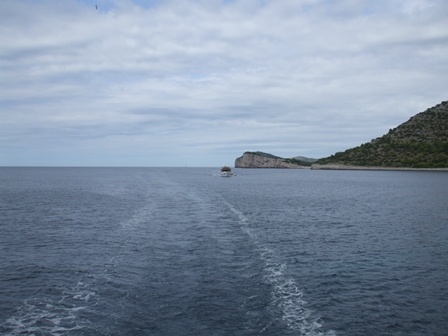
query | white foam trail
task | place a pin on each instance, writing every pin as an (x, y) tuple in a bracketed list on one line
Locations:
[(137, 219), (286, 294), (45, 315)]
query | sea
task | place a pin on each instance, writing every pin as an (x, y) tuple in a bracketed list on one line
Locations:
[(184, 251)]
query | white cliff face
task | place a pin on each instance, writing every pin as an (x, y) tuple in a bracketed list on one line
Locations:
[(252, 160)]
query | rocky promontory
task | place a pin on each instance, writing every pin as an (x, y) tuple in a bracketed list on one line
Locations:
[(265, 160)]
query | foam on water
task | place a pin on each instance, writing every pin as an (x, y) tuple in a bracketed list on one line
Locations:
[(50, 314), (137, 219), (286, 294)]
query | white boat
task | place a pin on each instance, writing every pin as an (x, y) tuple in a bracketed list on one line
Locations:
[(226, 171)]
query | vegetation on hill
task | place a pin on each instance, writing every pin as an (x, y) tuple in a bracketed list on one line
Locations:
[(298, 162), (421, 142), (264, 154), (303, 158)]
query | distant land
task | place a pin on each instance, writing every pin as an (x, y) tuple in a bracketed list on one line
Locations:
[(265, 160), (419, 143)]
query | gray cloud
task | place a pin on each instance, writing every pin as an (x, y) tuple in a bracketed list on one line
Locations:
[(205, 81)]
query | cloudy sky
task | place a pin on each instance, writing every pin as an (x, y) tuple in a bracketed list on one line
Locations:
[(197, 83)]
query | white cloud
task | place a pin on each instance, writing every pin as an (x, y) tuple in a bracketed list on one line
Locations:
[(211, 79)]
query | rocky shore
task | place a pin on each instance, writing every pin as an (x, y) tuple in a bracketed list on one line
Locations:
[(348, 167)]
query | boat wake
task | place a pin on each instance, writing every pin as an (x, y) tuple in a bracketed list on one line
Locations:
[(286, 294), (57, 313)]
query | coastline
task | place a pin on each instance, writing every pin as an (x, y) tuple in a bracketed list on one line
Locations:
[(347, 167)]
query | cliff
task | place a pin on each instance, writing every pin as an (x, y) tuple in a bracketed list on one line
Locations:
[(421, 142), (265, 160)]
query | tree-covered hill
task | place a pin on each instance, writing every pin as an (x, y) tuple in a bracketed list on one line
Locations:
[(421, 142)]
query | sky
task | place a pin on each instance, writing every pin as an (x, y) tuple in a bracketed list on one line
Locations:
[(198, 83)]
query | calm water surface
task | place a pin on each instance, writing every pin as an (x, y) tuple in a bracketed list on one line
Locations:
[(171, 251)]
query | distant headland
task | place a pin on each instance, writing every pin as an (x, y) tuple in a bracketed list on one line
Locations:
[(265, 160), (421, 143)]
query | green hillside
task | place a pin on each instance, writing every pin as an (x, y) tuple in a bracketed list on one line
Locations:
[(421, 142)]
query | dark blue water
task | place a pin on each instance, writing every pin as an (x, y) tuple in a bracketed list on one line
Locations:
[(153, 251)]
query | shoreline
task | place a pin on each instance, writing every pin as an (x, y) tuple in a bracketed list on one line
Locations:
[(347, 167)]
